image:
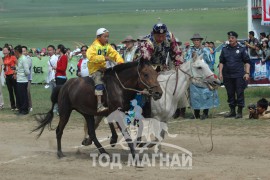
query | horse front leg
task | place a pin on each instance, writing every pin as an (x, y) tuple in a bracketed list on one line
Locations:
[(127, 137)]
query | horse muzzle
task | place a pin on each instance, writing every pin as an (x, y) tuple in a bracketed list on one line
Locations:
[(156, 95)]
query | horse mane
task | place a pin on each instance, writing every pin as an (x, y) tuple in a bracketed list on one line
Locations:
[(124, 66)]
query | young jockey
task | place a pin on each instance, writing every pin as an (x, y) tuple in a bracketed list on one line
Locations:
[(98, 53)]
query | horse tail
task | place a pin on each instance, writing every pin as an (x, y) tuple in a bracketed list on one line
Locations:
[(45, 119)]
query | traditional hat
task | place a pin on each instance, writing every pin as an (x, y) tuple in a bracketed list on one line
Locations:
[(196, 36), (129, 39), (160, 28)]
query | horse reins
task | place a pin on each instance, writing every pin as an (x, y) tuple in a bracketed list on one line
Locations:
[(147, 92), (130, 89)]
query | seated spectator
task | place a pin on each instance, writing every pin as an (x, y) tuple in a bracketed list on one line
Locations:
[(262, 111)]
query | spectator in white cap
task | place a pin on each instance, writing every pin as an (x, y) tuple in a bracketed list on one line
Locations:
[(130, 49), (98, 53)]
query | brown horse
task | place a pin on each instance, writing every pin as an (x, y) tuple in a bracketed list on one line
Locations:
[(122, 82)]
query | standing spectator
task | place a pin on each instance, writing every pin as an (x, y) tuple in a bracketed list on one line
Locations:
[(114, 46), (52, 62), (263, 37), (1, 52), (11, 49), (130, 49), (197, 101), (22, 80), (259, 52), (213, 52), (25, 53), (61, 66), (82, 68), (234, 69), (266, 51), (251, 44), (10, 63), (1, 94)]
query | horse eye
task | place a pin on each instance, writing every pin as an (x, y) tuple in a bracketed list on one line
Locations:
[(199, 67), (146, 75)]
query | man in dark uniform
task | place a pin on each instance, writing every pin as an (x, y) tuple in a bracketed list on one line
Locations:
[(234, 69)]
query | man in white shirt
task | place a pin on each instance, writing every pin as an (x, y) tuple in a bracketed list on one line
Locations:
[(25, 52), (52, 62), (82, 68)]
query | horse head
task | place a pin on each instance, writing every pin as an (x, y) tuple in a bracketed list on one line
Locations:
[(148, 79), (202, 75)]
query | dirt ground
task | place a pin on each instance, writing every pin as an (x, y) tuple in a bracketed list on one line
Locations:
[(235, 156)]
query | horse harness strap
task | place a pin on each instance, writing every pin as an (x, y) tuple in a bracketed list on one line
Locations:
[(131, 89), (176, 83)]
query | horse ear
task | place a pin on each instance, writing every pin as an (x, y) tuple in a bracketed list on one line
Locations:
[(200, 57), (194, 56)]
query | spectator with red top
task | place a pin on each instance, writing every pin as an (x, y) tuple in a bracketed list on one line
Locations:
[(10, 62), (61, 67)]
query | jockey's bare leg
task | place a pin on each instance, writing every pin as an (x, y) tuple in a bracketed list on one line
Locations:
[(100, 106)]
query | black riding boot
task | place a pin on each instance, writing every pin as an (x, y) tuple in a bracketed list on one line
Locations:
[(183, 112), (196, 114), (239, 113), (205, 114), (231, 113), (177, 113), (180, 112)]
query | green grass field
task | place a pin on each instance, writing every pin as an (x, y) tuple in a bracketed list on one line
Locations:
[(39, 23)]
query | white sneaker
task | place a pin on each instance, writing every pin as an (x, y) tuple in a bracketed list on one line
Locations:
[(46, 86), (101, 108)]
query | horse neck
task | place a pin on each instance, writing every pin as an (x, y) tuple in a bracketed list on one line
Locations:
[(184, 79), (129, 77)]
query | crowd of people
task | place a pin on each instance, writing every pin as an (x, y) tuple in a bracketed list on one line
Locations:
[(160, 47)]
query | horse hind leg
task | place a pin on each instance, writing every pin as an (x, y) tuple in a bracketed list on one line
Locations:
[(64, 117), (114, 137), (92, 134)]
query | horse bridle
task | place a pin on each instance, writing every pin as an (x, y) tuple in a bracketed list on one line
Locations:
[(192, 76)]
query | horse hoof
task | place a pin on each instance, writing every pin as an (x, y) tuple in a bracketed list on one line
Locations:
[(60, 154), (141, 145), (151, 145), (87, 142), (113, 142)]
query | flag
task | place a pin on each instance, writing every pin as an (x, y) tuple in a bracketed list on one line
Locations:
[(265, 12)]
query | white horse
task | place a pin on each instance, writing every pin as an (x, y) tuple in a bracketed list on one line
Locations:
[(195, 71)]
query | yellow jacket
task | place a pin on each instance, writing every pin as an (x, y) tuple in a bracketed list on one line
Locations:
[(96, 55)]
